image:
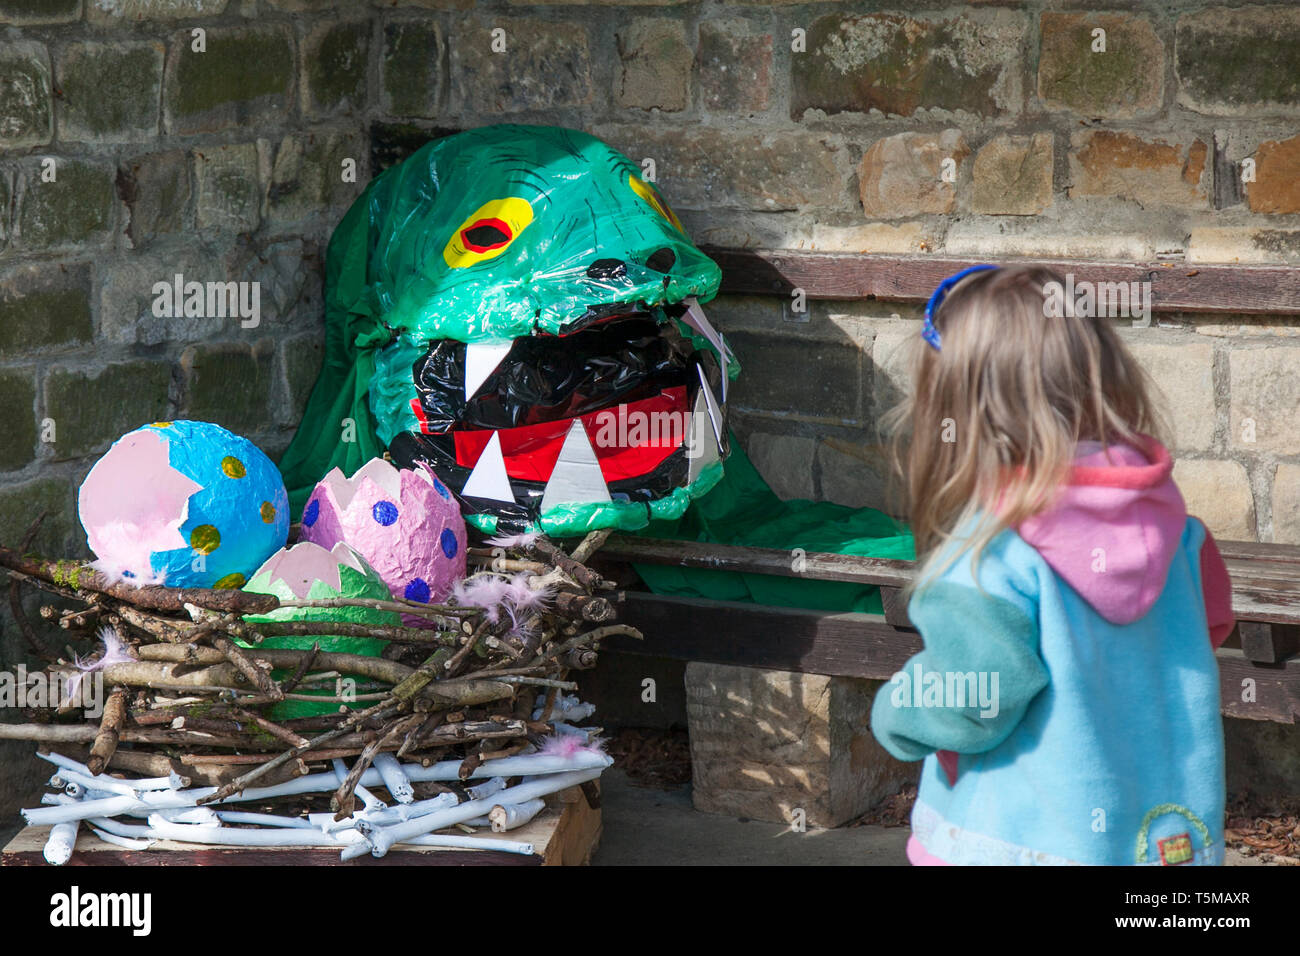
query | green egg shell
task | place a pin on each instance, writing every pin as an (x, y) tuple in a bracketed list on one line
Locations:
[(352, 584)]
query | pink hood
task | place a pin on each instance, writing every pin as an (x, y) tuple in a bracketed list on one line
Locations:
[(1115, 528)]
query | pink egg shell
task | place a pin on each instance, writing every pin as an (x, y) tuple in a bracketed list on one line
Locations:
[(404, 522)]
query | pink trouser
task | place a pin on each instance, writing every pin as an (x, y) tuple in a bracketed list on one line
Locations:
[(917, 855)]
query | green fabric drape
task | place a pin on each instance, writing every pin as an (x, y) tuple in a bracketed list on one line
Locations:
[(337, 426), (743, 510)]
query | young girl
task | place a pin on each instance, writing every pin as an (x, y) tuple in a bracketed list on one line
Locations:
[(1066, 703)]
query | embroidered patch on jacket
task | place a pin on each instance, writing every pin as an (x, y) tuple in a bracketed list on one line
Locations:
[(1176, 849)]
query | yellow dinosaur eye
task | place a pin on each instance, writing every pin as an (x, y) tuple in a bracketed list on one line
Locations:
[(487, 232), (650, 195)]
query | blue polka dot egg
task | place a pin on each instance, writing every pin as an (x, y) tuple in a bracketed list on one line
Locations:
[(404, 522), (185, 504)]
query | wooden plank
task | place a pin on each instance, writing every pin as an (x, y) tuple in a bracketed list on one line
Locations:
[(564, 834), (1275, 689), (813, 565), (863, 645), (1175, 287), (753, 635), (1259, 551), (1264, 589), (1266, 643), (895, 605), (577, 833)]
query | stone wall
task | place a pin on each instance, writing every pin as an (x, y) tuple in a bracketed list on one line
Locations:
[(990, 129)]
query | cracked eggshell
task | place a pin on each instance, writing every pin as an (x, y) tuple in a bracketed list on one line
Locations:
[(404, 522), (185, 504), (308, 572)]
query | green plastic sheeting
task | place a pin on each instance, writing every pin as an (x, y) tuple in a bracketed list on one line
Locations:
[(338, 428), (743, 510)]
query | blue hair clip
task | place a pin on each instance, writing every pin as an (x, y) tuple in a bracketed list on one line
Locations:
[(928, 331)]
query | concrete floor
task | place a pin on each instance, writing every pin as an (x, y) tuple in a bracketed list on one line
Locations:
[(647, 826)]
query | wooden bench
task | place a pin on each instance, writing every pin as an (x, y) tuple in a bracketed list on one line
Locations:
[(1264, 647), (1266, 577)]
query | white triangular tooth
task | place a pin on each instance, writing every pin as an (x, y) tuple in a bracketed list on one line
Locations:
[(577, 478), (697, 320), (480, 359), (715, 412), (701, 447), (489, 479)]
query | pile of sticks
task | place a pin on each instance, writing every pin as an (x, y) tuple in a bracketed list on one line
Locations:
[(187, 695)]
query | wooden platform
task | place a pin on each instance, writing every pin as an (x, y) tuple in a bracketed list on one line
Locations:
[(566, 833)]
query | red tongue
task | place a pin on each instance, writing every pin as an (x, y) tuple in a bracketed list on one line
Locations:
[(629, 440)]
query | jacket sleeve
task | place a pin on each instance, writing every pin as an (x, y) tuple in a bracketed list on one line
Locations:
[(1217, 589), (973, 639)]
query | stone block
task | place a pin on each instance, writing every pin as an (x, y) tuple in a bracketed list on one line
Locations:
[(92, 409), (911, 174), (26, 108), (900, 65), (1012, 176), (765, 744), (244, 76), (42, 307), (110, 91), (1122, 79), (655, 65)]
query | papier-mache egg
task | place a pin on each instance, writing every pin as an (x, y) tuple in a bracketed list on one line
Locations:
[(185, 504), (308, 572), (404, 522)]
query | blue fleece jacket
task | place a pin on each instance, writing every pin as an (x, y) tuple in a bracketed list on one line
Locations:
[(1054, 733)]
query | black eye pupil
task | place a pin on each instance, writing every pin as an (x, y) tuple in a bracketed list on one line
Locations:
[(485, 235)]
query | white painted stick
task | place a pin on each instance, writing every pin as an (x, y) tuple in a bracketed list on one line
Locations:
[(243, 836), (59, 844), (91, 782), (567, 707), (471, 843), (395, 778), (264, 819), (172, 782), (447, 770), (507, 817), (124, 842), (381, 839)]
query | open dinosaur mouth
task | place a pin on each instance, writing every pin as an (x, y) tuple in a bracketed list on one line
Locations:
[(624, 409)]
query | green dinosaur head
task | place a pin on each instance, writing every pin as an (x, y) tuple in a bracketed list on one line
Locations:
[(517, 302), (509, 230)]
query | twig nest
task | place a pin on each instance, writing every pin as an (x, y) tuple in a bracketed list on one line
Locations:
[(186, 504), (404, 522), (308, 572)]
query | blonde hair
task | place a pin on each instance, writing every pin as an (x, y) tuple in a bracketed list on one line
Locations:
[(987, 434)]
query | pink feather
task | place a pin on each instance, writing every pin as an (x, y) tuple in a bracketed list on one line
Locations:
[(569, 745), (486, 592), (114, 652), (525, 598)]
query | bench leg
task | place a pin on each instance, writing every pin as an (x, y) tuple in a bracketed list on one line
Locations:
[(768, 744)]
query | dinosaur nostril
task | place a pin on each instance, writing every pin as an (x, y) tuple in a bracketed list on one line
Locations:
[(607, 269), (662, 261)]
